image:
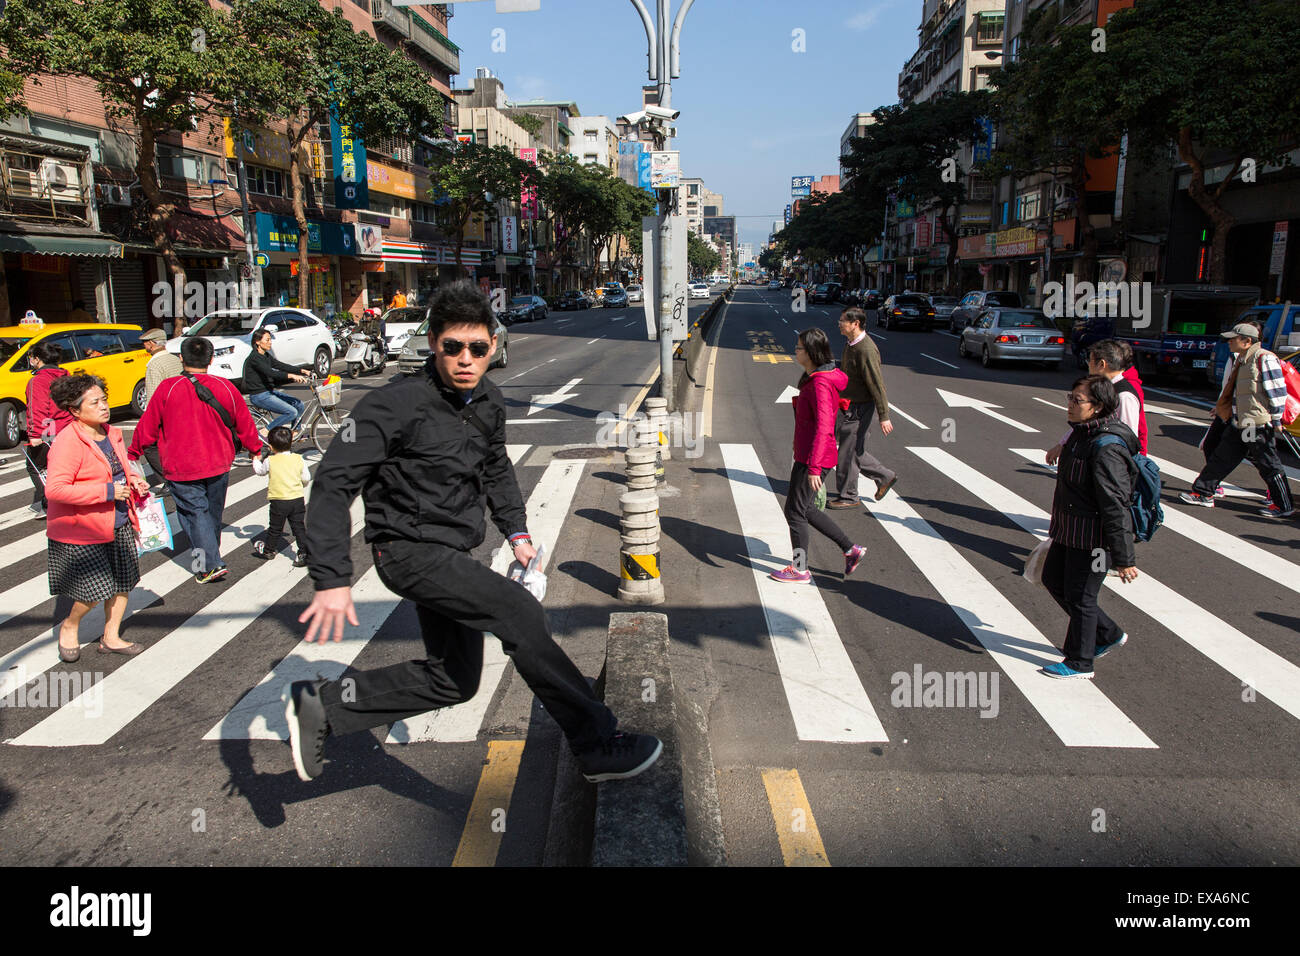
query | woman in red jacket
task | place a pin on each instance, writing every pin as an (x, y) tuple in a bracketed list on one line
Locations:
[(44, 418), (814, 453), (92, 523)]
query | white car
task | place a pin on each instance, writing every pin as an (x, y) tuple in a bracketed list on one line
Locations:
[(400, 323), (699, 290), (297, 338), (634, 293)]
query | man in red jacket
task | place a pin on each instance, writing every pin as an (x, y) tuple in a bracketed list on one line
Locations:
[(196, 447), (44, 418)]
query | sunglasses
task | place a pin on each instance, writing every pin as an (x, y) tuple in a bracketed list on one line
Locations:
[(451, 348)]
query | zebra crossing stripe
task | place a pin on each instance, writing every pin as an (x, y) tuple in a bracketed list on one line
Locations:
[(141, 681), (18, 484), (826, 697), (1269, 674), (1076, 711), (40, 653), (1188, 475), (547, 508), (259, 715), (1229, 546)]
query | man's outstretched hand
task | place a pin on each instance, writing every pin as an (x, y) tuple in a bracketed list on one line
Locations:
[(327, 611)]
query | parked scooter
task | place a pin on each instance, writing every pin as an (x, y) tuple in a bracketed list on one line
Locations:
[(367, 350)]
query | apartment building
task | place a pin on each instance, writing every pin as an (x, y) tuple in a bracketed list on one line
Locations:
[(71, 217)]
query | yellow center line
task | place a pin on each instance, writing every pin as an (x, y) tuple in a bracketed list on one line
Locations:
[(486, 823), (801, 842)]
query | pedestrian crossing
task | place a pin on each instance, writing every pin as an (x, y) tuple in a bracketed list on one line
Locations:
[(830, 697)]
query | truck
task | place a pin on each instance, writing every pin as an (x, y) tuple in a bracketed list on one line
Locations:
[(1180, 333)]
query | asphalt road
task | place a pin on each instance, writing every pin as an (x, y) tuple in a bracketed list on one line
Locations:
[(1176, 754), (175, 756)]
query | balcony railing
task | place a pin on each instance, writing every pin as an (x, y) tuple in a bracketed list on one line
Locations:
[(428, 39), (385, 14)]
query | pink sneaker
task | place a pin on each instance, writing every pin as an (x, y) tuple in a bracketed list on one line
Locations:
[(852, 558), (790, 575), (1219, 492)]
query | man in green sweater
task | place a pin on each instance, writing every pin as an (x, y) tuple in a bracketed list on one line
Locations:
[(866, 396)]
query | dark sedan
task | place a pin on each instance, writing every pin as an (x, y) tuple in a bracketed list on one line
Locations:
[(826, 292), (906, 309), (573, 299), (524, 308)]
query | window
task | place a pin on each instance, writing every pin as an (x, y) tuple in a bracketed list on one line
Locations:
[(1015, 48), (1029, 205), (982, 76), (263, 181), (590, 136), (391, 206), (131, 340), (424, 212), (990, 27), (96, 344), (285, 321), (183, 164)]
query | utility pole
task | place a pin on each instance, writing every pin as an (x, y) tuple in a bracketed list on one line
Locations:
[(663, 56), (254, 273)]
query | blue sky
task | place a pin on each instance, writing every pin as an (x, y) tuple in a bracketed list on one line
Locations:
[(754, 112)]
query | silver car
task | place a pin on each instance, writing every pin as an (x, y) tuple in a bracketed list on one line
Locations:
[(416, 350), (1022, 335)]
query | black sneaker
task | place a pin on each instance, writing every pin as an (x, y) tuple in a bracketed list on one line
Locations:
[(305, 715), (300, 561), (622, 756)]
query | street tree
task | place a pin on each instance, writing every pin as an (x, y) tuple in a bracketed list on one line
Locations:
[(471, 180), (1216, 78), (574, 197), (309, 65), (911, 151), (701, 258), (158, 66)]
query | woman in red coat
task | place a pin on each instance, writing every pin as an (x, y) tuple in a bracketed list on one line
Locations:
[(44, 418), (92, 525), (814, 454)]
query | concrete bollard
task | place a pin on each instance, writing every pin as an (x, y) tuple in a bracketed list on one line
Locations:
[(657, 411), (639, 580)]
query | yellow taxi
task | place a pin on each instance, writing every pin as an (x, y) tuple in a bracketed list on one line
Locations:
[(111, 351)]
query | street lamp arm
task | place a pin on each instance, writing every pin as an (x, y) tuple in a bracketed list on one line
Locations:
[(650, 37), (674, 51)]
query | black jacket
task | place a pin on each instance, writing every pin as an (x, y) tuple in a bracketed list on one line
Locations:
[(1094, 487), (423, 469), (264, 372)]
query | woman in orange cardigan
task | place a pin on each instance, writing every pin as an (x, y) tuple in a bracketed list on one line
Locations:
[(92, 524)]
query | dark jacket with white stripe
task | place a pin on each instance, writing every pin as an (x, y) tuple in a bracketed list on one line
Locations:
[(1094, 488)]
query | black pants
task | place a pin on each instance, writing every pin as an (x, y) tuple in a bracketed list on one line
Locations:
[(1228, 453), (800, 512), (1213, 435), (155, 463), (39, 454), (457, 599), (1068, 574), (293, 510)]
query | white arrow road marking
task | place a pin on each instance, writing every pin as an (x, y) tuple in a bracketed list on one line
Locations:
[(789, 393), (562, 394), (954, 400)]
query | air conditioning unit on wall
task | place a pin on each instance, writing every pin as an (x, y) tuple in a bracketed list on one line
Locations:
[(61, 181), (111, 194)]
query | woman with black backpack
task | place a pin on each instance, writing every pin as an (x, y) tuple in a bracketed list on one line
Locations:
[(1092, 525)]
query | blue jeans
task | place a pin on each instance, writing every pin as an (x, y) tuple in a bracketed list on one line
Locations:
[(199, 505), (288, 407)]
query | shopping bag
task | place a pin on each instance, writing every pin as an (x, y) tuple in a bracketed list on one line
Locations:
[(530, 577), (1037, 558), (820, 498), (155, 528)]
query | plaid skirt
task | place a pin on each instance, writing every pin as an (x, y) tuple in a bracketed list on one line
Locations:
[(91, 573)]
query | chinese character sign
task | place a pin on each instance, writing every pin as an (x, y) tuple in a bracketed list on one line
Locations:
[(801, 186), (528, 194), (351, 186)]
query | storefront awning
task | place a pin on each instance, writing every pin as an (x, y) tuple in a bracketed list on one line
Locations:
[(60, 245)]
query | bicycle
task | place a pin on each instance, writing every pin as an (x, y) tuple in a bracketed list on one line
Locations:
[(320, 416)]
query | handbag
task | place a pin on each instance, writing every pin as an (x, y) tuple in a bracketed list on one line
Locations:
[(1037, 558), (155, 527), (820, 499)]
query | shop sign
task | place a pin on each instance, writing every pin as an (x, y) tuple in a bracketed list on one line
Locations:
[(393, 182), (528, 194), (54, 265), (280, 234), (261, 146), (314, 264), (370, 239), (351, 180)]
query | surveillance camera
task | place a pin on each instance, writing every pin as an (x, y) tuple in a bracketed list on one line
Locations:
[(658, 112), (634, 119)]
